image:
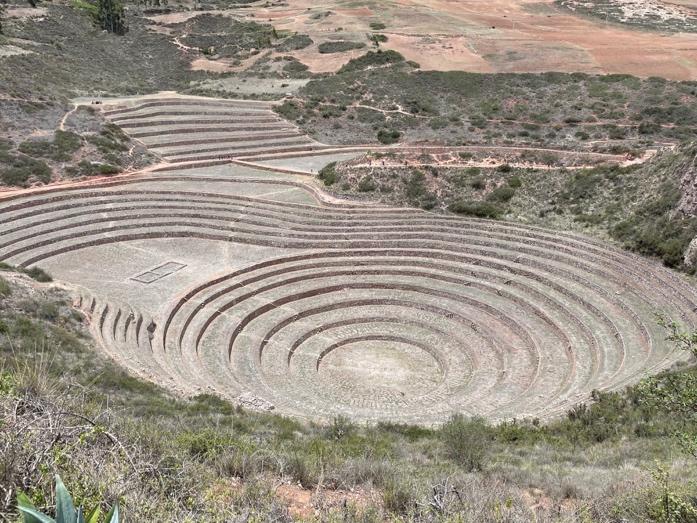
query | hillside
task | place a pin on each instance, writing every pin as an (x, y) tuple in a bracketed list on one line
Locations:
[(648, 208), (200, 459)]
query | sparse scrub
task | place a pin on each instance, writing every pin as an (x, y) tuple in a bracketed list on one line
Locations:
[(87, 168), (22, 171), (5, 289), (388, 136), (367, 184), (328, 174), (62, 147), (372, 59), (478, 183), (289, 110), (476, 208), (501, 194), (466, 441), (295, 42)]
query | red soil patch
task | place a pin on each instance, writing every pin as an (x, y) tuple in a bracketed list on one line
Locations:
[(450, 53), (498, 35), (213, 66), (306, 504)]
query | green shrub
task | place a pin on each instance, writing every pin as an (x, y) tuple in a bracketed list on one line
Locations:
[(417, 192), (648, 128), (295, 43), (328, 174), (295, 67), (515, 182), (86, 7), (372, 59), (397, 497), (466, 441), (87, 168), (340, 46), (501, 194), (389, 136), (655, 230), (64, 144), (38, 274), (21, 171), (377, 26), (5, 289), (289, 110), (340, 428), (477, 209), (478, 184)]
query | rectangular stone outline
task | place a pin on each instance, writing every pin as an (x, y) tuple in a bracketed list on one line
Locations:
[(158, 272)]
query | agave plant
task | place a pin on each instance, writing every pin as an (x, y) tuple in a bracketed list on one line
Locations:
[(65, 509)]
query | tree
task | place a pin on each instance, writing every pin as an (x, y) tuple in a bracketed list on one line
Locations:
[(110, 16), (676, 392)]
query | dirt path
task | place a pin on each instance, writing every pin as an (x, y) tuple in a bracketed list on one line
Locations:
[(61, 126)]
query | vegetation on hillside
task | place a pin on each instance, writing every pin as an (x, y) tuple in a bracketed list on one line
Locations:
[(613, 113), (656, 16), (637, 205), (88, 147), (623, 457)]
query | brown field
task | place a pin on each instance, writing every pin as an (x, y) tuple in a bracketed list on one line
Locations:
[(494, 36)]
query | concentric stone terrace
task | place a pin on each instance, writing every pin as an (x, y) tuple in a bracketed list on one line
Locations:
[(194, 130), (252, 286)]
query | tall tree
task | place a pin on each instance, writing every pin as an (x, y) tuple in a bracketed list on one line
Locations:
[(110, 16)]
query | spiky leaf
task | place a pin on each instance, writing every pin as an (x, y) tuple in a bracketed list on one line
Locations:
[(65, 510), (29, 512), (93, 516), (113, 515)]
